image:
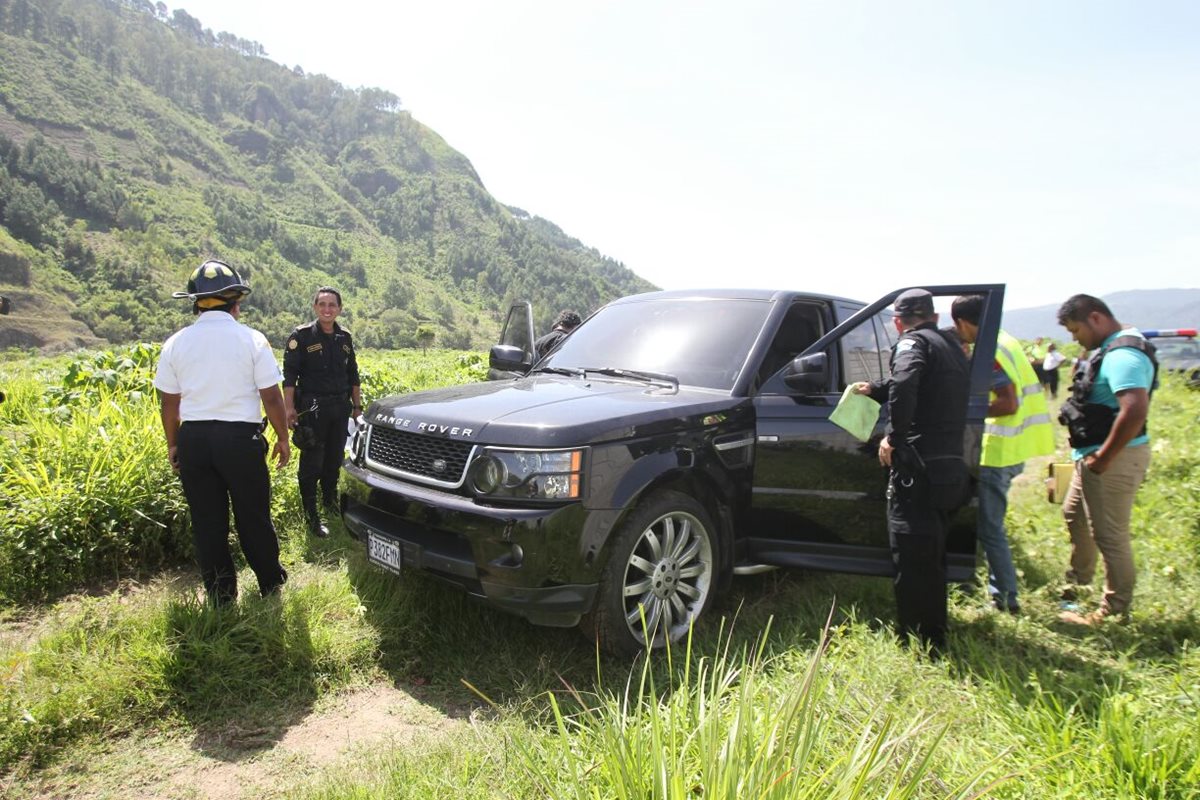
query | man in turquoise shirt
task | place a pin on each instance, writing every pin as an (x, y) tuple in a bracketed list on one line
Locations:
[(1106, 417)]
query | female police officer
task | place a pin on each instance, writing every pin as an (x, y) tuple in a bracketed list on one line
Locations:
[(320, 391)]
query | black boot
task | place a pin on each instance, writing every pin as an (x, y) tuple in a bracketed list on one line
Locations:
[(313, 517), (317, 527)]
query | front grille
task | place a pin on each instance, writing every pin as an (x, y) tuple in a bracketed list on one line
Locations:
[(418, 455)]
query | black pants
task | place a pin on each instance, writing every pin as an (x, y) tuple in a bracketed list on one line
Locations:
[(220, 462), (1050, 379), (918, 537), (323, 462)]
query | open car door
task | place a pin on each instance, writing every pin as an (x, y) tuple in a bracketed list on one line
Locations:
[(818, 498), (513, 355)]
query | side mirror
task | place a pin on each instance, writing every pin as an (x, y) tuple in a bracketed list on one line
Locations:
[(808, 374), (509, 358)]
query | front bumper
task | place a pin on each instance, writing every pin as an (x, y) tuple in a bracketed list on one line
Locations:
[(526, 561)]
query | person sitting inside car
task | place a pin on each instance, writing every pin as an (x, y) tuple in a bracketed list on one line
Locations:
[(567, 321)]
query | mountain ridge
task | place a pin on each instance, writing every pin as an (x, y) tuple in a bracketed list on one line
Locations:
[(135, 143), (1142, 308)]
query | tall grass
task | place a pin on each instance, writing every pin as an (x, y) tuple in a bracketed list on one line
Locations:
[(86, 492), (86, 495), (725, 728)]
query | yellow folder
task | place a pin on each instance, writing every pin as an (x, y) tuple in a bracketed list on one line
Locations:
[(856, 413)]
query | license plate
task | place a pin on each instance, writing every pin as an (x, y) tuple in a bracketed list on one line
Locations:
[(383, 551)]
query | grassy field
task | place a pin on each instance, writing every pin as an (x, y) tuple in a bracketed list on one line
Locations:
[(355, 684)]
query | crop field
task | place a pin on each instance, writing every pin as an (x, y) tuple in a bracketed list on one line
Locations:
[(116, 680)]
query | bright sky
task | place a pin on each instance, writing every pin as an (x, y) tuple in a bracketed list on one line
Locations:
[(845, 147)]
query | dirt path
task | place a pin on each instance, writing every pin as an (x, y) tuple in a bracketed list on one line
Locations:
[(240, 761)]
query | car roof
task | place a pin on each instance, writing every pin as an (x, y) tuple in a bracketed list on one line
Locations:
[(766, 295)]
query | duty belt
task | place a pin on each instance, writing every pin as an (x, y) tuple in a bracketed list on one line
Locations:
[(324, 398)]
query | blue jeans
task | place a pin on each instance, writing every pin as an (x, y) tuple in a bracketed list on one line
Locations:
[(993, 504)]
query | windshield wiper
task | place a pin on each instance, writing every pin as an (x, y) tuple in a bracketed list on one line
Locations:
[(635, 374), (558, 370)]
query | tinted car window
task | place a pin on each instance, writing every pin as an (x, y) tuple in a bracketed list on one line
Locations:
[(860, 355), (801, 326), (702, 342), (887, 329)]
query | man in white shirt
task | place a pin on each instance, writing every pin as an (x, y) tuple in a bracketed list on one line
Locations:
[(212, 377)]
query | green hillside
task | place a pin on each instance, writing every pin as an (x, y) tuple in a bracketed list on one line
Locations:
[(134, 143)]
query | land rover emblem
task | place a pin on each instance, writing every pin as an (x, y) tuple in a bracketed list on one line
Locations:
[(439, 465)]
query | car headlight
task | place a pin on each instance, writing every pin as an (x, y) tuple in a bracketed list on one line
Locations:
[(527, 474)]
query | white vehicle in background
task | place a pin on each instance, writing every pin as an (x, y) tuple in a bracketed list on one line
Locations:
[(1177, 350)]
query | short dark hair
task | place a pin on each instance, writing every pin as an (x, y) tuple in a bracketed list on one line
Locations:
[(568, 320), (327, 290), (968, 308), (1078, 307)]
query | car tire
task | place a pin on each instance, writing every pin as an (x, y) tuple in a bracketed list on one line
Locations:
[(660, 576)]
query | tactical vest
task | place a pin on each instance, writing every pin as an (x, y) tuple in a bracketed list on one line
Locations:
[(1088, 423), (1017, 437)]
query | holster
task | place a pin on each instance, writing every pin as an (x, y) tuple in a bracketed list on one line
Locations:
[(907, 462), (304, 435), (948, 482), (944, 478)]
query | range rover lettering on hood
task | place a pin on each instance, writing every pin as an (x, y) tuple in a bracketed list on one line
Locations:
[(401, 423)]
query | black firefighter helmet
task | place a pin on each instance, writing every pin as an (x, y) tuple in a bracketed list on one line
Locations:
[(213, 284)]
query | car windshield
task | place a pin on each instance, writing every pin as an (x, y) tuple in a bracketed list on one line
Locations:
[(700, 341)]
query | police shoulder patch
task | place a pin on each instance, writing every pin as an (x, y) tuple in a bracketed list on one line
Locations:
[(904, 345), (292, 343)]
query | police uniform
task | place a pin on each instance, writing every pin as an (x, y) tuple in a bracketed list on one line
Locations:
[(322, 369), (217, 369), (927, 396)]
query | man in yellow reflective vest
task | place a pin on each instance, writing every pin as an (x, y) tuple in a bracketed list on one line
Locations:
[(1017, 429)]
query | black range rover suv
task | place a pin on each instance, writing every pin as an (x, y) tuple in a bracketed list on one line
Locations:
[(673, 440)]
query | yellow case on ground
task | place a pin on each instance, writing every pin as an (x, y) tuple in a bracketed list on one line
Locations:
[(1058, 480)]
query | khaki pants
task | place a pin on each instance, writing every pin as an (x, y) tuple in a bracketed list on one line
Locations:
[(1097, 510)]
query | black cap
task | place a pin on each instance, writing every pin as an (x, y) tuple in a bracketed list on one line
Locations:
[(914, 303)]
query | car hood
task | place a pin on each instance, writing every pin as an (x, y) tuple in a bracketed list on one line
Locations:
[(549, 411)]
